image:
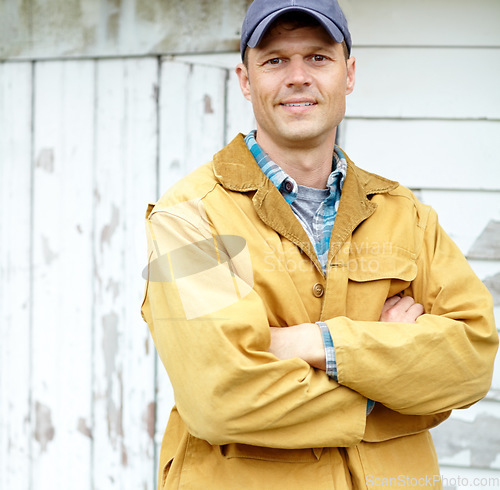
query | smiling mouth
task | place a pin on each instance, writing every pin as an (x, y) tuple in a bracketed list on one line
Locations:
[(299, 104)]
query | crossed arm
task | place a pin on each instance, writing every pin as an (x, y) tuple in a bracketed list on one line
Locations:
[(255, 400), (305, 341)]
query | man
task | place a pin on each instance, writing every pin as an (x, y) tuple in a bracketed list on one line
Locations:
[(314, 319)]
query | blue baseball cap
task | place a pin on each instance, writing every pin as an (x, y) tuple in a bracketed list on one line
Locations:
[(262, 13)]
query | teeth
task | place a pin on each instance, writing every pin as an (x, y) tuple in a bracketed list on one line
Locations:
[(302, 104)]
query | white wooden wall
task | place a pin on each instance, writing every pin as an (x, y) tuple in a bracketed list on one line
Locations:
[(78, 160), (85, 144)]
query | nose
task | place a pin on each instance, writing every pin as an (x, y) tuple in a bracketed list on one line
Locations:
[(298, 74)]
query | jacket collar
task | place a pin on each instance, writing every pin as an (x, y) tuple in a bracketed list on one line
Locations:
[(236, 170)]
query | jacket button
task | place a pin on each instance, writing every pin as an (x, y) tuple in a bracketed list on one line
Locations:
[(318, 290)]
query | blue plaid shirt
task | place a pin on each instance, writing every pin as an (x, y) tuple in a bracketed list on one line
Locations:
[(321, 227), (320, 230)]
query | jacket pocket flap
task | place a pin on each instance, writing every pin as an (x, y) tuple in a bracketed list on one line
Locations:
[(400, 264), (236, 450)]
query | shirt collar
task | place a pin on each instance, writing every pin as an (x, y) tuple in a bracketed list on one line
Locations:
[(287, 186)]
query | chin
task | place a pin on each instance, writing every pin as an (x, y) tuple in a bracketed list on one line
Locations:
[(304, 134)]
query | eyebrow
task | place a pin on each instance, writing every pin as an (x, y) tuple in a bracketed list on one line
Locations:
[(313, 48)]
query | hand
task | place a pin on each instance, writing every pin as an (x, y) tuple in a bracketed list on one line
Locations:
[(401, 309), (303, 341)]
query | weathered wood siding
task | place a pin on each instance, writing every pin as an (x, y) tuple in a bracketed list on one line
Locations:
[(16, 433), (37, 29), (78, 162), (85, 144)]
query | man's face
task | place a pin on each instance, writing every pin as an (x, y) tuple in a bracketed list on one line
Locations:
[(297, 81)]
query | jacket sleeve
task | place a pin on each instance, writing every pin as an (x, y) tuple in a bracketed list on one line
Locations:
[(211, 331), (442, 362)]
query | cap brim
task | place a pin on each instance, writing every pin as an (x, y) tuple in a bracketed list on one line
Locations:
[(264, 25)]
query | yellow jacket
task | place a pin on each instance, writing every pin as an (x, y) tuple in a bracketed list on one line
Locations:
[(228, 259)]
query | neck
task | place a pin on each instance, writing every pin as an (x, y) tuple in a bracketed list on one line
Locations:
[(308, 165)]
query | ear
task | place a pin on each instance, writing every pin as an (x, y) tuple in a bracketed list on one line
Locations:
[(351, 74), (242, 73)]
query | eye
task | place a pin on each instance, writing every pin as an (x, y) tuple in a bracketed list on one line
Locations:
[(318, 58), (274, 61)]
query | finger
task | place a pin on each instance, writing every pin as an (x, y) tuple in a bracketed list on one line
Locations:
[(393, 300), (415, 311), (403, 310), (390, 302), (406, 303)]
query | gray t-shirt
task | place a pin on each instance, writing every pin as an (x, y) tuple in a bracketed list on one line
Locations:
[(305, 207)]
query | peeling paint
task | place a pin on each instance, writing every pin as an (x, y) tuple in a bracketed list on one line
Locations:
[(113, 287), (115, 420), (110, 350), (44, 430), (207, 100), (83, 428), (114, 417), (493, 285), (481, 437), (114, 376), (487, 245), (150, 419), (124, 455), (96, 269), (119, 426), (48, 255), (109, 230), (45, 160), (110, 343)]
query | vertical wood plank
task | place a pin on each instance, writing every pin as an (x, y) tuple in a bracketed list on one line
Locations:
[(62, 282), (173, 122), (141, 185), (206, 114), (15, 258), (192, 118), (124, 389)]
